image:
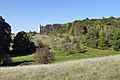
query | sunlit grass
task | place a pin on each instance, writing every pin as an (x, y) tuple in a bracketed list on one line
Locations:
[(91, 53), (61, 56), (104, 68)]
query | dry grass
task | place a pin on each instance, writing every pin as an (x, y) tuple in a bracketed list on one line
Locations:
[(105, 68)]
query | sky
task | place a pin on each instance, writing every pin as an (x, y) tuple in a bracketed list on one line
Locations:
[(28, 15)]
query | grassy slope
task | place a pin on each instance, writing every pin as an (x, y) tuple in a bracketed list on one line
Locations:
[(91, 53), (104, 68)]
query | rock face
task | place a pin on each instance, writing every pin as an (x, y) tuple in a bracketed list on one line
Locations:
[(50, 28), (78, 28)]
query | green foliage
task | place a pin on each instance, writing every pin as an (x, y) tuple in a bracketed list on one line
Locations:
[(22, 44), (103, 43), (92, 43), (102, 33), (66, 38), (59, 35), (116, 40), (92, 30), (39, 43), (71, 32), (91, 40), (30, 34), (67, 47), (77, 47), (74, 40)]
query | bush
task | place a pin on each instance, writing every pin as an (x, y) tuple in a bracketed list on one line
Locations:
[(67, 48), (42, 55), (59, 35), (93, 43), (67, 39), (74, 40), (5, 58)]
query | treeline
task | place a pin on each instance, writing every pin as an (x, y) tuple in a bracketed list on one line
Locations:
[(96, 33), (12, 45)]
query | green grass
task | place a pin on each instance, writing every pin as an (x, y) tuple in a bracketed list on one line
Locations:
[(104, 68), (23, 58), (60, 56), (91, 53)]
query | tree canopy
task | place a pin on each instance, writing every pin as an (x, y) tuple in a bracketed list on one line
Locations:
[(5, 36), (22, 44)]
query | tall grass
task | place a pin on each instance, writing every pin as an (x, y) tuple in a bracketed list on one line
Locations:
[(104, 68)]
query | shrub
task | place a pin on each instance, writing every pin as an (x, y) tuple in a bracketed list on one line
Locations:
[(42, 55), (5, 58), (93, 43), (74, 40), (67, 39), (59, 35), (67, 48)]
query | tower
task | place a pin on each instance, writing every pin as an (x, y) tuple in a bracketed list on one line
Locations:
[(39, 29)]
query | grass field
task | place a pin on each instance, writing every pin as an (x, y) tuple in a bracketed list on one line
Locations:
[(60, 57), (91, 53), (104, 68)]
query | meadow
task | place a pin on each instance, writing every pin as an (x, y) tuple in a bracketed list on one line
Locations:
[(104, 68), (61, 57), (93, 64)]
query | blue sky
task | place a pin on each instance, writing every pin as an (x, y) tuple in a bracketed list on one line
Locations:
[(29, 14)]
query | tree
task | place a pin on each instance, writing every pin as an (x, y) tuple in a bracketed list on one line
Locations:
[(71, 32), (78, 28), (22, 44), (5, 36), (77, 47), (102, 33), (116, 40), (103, 43), (91, 38), (5, 39)]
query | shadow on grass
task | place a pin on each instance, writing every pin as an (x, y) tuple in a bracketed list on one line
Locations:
[(17, 64)]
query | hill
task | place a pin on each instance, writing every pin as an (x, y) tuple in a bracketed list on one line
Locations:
[(95, 33), (104, 68)]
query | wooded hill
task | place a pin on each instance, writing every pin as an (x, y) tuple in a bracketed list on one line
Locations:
[(97, 33)]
